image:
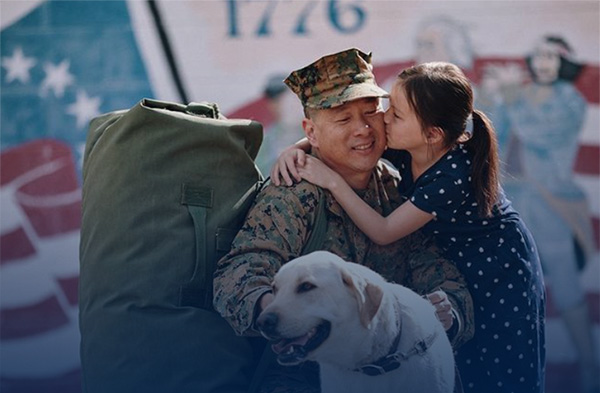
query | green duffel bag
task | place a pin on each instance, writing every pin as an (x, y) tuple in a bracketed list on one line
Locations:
[(165, 189)]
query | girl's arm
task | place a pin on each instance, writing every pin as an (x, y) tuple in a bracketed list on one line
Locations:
[(382, 230), (288, 161)]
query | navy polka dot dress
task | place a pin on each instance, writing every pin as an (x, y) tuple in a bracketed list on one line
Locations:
[(499, 260)]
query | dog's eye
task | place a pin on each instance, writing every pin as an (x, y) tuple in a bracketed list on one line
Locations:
[(305, 287)]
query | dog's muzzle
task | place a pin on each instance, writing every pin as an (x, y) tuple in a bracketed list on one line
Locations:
[(291, 350)]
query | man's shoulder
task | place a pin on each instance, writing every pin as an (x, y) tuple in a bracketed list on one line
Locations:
[(302, 191)]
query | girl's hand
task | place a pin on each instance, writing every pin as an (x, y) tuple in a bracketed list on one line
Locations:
[(316, 172), (287, 164)]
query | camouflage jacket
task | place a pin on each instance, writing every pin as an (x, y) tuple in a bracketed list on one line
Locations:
[(278, 226)]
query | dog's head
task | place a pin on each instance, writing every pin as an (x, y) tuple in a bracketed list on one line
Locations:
[(321, 304)]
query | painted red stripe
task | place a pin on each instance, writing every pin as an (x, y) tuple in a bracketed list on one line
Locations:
[(588, 83), (50, 221), (66, 383), (15, 245), (70, 287), (23, 158), (31, 320), (596, 227), (587, 161), (563, 377)]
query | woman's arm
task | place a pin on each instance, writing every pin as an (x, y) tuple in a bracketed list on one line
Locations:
[(382, 230)]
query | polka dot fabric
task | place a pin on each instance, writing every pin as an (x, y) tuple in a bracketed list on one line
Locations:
[(500, 262)]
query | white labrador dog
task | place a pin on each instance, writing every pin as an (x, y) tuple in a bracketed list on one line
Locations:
[(367, 335)]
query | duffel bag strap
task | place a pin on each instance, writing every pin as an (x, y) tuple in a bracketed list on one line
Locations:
[(198, 200), (314, 243)]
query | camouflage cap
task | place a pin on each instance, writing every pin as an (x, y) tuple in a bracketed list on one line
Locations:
[(335, 79)]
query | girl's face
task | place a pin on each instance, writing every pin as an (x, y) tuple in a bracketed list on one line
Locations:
[(545, 63), (402, 127)]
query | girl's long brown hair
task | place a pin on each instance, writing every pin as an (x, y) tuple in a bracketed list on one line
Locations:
[(441, 96)]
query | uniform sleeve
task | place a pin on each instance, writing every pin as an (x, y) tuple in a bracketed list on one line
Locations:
[(274, 232), (429, 272)]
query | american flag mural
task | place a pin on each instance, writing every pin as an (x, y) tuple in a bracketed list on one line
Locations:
[(64, 62)]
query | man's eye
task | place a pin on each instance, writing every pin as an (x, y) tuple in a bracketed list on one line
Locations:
[(305, 287), (343, 120), (371, 113)]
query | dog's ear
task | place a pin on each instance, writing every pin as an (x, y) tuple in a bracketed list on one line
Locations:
[(368, 296)]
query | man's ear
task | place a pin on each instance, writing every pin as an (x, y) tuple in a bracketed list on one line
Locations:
[(367, 295), (310, 130)]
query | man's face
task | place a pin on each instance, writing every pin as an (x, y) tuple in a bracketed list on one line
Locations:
[(349, 138)]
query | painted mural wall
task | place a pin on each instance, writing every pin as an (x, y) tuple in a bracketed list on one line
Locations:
[(534, 64)]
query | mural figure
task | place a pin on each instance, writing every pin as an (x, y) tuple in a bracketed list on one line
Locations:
[(284, 130), (545, 114)]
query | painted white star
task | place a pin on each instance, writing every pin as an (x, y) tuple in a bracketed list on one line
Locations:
[(57, 78), (84, 108), (17, 66)]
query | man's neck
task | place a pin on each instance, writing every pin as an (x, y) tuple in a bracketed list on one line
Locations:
[(356, 180)]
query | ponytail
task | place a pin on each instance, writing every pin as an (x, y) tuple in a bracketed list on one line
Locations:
[(485, 174)]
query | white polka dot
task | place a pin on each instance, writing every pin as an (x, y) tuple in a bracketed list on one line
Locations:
[(502, 226), (459, 181), (487, 294), (468, 212), (483, 327), (495, 338), (501, 301), (489, 259), (484, 350), (468, 162), (453, 239), (480, 273), (426, 196), (507, 324), (520, 356), (510, 286), (453, 166), (442, 191), (508, 348), (469, 264), (484, 222), (509, 371), (515, 309), (481, 249)]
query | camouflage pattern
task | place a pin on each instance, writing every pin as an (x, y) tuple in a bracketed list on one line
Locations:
[(278, 225), (335, 79)]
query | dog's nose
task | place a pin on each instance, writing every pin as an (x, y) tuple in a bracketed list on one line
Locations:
[(267, 323)]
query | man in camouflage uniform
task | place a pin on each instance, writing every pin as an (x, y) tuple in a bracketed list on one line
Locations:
[(344, 125)]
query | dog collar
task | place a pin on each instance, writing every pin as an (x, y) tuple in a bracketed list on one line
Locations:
[(394, 358)]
